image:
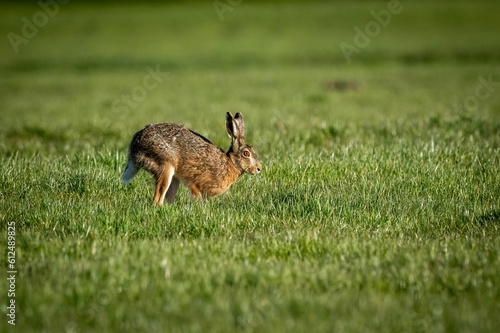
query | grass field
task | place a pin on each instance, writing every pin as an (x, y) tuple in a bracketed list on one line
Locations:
[(377, 209)]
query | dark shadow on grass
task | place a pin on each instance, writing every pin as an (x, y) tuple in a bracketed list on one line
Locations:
[(215, 61), (39, 138), (488, 218), (89, 65)]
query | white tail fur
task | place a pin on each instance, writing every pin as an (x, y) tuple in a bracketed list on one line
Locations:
[(130, 171)]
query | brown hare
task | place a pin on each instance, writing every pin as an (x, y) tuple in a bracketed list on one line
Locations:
[(174, 153)]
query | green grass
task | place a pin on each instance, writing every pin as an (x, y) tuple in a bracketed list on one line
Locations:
[(377, 209)]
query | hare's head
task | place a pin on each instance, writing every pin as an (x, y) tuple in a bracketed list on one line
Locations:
[(242, 155)]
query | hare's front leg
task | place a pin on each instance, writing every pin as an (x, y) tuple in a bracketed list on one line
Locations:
[(195, 192), (163, 181)]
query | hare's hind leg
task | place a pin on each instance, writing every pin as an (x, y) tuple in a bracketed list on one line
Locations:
[(163, 181), (172, 189)]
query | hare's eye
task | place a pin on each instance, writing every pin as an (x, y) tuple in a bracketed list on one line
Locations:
[(246, 153)]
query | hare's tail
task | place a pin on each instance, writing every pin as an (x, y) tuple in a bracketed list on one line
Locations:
[(130, 171)]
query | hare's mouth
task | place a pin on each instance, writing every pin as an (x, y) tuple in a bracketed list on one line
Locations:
[(253, 170)]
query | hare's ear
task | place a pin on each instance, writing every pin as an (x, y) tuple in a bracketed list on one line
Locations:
[(231, 126), (238, 118)]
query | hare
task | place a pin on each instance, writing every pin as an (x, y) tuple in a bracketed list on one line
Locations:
[(174, 153)]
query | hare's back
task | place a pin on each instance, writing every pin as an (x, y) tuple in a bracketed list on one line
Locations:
[(155, 136), (174, 135), (168, 138)]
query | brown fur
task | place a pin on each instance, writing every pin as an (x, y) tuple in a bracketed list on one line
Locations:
[(174, 153)]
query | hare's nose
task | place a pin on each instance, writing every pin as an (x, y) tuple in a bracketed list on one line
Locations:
[(258, 169)]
